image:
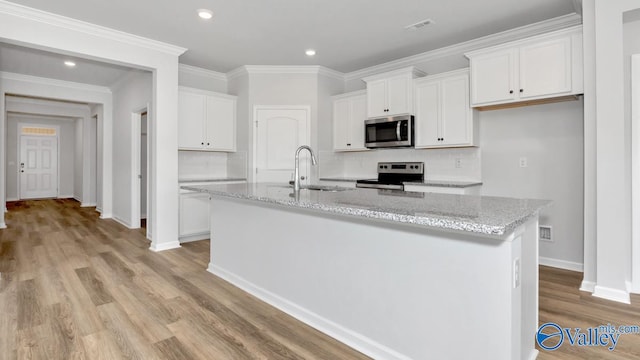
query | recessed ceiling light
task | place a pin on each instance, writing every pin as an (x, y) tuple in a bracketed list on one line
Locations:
[(205, 13), (310, 52), (70, 63)]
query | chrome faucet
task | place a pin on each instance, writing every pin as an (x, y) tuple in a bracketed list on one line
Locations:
[(296, 175)]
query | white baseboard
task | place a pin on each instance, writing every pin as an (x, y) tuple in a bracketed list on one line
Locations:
[(561, 264), (355, 340), (122, 222), (588, 286), (166, 246), (67, 197), (196, 237), (608, 293), (12, 199), (87, 204), (3, 225)]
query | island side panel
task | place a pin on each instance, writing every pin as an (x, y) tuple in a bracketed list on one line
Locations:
[(392, 291)]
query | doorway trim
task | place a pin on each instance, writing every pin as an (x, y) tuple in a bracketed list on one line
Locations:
[(22, 125), (136, 128), (635, 173), (254, 124)]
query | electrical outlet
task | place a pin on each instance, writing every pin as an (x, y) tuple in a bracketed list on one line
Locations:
[(458, 163), (516, 273), (523, 162)]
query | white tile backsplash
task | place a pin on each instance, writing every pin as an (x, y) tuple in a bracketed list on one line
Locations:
[(440, 164), (237, 165), (201, 165)]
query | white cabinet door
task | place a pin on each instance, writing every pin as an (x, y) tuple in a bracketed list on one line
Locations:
[(545, 68), (220, 123), (194, 214), (427, 114), (456, 116), (444, 117), (399, 95), (191, 111), (349, 113), (493, 77), (358, 106), (377, 98), (341, 124)]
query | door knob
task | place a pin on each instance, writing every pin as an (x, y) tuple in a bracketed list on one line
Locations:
[(302, 177)]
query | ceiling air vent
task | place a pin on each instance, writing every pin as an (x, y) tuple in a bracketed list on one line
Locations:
[(544, 233), (419, 24)]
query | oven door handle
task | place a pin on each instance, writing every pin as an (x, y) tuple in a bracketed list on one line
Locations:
[(398, 130), (380, 186)]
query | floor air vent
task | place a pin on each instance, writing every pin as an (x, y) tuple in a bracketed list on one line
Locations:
[(545, 233)]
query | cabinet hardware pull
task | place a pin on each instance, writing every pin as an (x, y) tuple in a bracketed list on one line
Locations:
[(510, 91), (521, 90), (202, 143), (348, 144)]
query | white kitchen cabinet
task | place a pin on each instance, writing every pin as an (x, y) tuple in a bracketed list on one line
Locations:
[(349, 113), (391, 93), (193, 211), (194, 216), (540, 67), (207, 120), (444, 117)]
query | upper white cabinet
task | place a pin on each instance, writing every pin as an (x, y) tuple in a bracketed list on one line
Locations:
[(206, 120), (349, 113), (544, 66), (391, 93), (444, 117)]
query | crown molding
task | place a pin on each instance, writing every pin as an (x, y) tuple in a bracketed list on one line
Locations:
[(285, 69), (36, 116), (193, 70), (31, 100), (522, 32), (54, 82), (87, 28)]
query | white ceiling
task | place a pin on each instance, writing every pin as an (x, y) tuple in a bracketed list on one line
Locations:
[(347, 34)]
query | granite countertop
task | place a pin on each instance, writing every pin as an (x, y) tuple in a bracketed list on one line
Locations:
[(345, 179), (485, 215), (210, 180), (446, 183), (438, 183)]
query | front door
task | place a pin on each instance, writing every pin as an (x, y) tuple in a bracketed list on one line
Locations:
[(280, 131), (38, 167)]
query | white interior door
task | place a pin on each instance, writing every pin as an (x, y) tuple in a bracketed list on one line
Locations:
[(280, 131), (38, 167)]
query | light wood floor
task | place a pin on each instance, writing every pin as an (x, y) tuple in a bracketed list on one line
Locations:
[(76, 287)]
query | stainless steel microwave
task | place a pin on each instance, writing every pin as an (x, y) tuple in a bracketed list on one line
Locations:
[(393, 131)]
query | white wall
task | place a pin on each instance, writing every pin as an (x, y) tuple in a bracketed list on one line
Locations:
[(550, 137), (202, 79), (607, 151), (201, 165), (132, 95), (66, 149), (78, 154)]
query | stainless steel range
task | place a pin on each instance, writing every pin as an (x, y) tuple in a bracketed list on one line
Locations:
[(392, 175)]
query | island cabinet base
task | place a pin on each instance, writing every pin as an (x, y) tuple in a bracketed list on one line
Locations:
[(389, 290)]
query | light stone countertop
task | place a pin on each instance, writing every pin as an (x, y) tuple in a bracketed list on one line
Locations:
[(486, 215), (446, 183), (210, 180)]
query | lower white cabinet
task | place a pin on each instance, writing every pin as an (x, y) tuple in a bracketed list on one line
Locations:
[(194, 216), (444, 117), (469, 190)]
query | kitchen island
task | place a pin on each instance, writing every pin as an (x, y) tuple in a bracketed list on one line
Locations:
[(396, 275)]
